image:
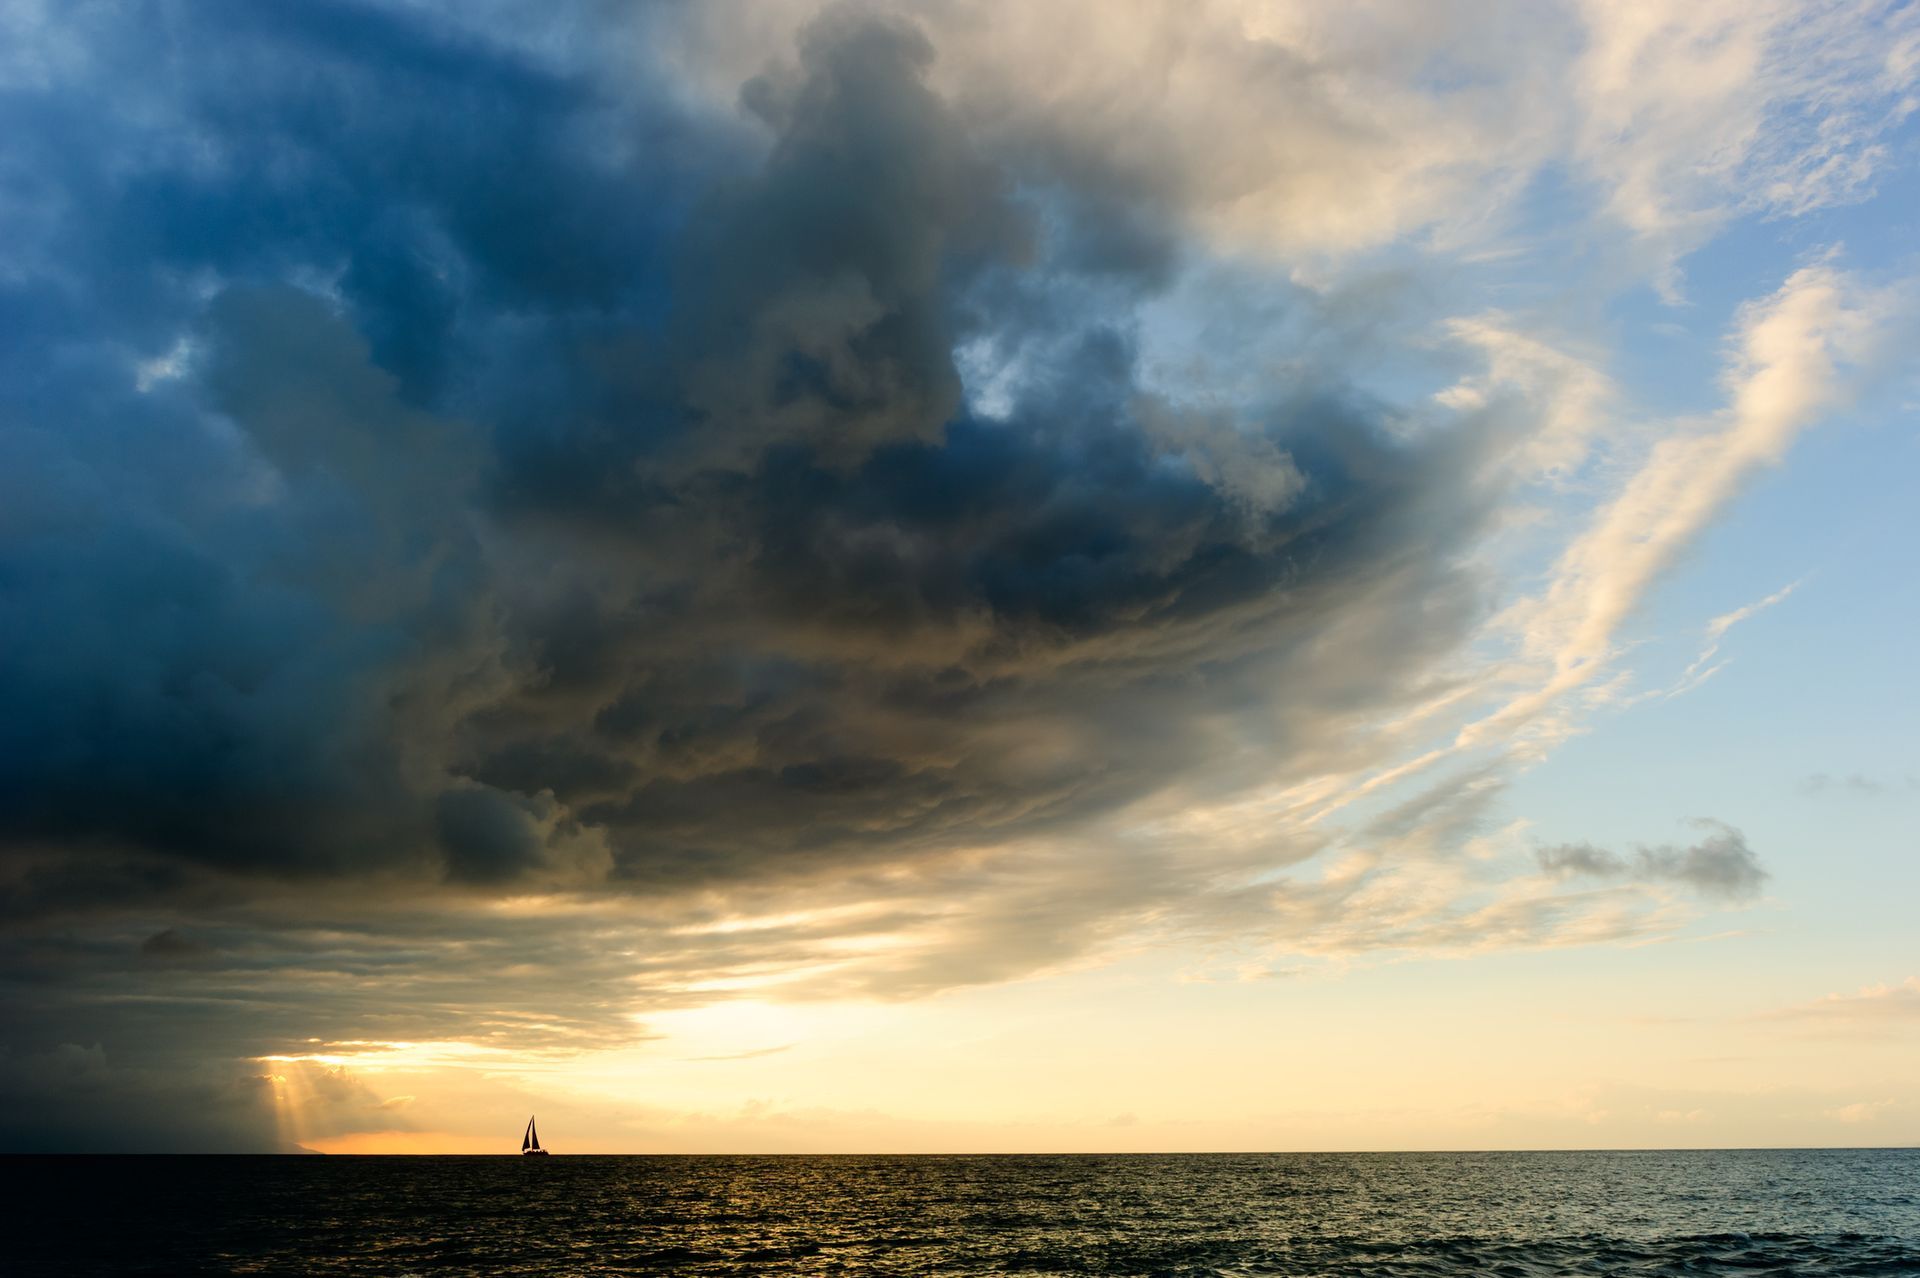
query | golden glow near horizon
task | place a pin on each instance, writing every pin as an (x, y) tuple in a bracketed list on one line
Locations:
[(1132, 1057)]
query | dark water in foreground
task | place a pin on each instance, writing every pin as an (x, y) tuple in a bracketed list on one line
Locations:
[(1693, 1213)]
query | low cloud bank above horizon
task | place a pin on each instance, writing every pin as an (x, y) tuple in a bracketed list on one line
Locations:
[(510, 525)]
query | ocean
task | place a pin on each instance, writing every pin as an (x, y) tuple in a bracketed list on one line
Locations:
[(1802, 1212)]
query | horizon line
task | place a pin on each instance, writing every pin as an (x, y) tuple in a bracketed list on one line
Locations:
[(1060, 1153)]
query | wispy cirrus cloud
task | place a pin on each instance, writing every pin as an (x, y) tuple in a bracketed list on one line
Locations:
[(1786, 365), (1704, 666), (1691, 115)]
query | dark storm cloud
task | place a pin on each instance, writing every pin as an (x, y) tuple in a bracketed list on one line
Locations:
[(1721, 864), (169, 944), (75, 1100), (752, 582), (431, 470)]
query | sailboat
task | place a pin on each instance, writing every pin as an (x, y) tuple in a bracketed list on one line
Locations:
[(530, 1142)]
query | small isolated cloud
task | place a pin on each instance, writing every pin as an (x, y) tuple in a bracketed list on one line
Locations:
[(1720, 865), (1859, 784), (1871, 1008), (1859, 1111), (1686, 1117)]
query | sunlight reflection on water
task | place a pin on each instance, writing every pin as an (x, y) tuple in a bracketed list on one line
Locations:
[(1826, 1212)]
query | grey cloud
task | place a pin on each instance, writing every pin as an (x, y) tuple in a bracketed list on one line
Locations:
[(1858, 784), (487, 836), (1580, 860), (1719, 865), (170, 944), (72, 1098)]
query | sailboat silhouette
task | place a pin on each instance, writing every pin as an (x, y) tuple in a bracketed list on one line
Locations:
[(530, 1142)]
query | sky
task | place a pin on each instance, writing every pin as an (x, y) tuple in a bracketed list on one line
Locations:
[(958, 576)]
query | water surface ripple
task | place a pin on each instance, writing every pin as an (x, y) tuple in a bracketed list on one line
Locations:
[(1803, 1212)]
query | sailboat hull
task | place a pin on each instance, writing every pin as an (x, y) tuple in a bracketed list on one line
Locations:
[(529, 1153)]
